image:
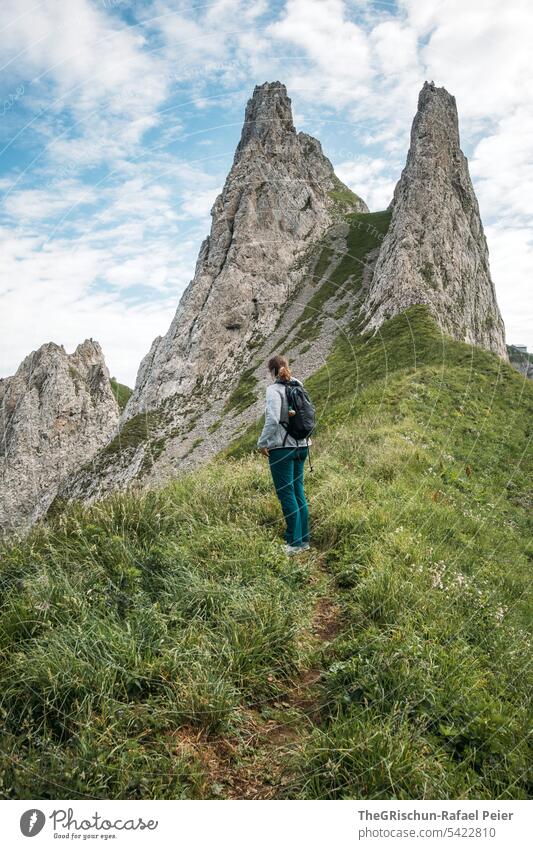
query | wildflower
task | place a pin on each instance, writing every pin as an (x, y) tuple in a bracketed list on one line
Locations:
[(499, 614)]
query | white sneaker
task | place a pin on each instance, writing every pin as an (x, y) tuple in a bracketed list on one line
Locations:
[(291, 550), (304, 546)]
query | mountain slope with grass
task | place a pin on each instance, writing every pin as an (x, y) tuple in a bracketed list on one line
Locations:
[(293, 257), (281, 198), (160, 644)]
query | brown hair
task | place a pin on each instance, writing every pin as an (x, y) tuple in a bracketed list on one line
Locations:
[(280, 367)]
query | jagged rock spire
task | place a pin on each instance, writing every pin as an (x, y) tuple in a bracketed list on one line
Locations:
[(276, 201), (55, 413), (435, 251), (268, 117)]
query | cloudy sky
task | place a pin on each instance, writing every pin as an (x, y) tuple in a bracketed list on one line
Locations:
[(118, 123)]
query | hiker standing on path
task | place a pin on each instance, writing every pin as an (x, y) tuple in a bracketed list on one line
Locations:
[(286, 453)]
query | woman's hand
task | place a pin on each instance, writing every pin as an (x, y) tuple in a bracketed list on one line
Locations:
[(264, 452)]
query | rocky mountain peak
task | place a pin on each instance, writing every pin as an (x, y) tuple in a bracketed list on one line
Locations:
[(278, 199), (436, 116), (279, 227), (89, 350), (267, 119), (435, 251), (434, 134), (56, 411)]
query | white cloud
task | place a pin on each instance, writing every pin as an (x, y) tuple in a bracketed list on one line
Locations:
[(114, 270), (480, 51), (198, 204), (394, 48), (337, 48), (511, 262), (80, 57), (49, 294), (39, 204), (97, 274), (369, 178), (502, 165)]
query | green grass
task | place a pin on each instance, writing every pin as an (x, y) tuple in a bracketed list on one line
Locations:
[(422, 500), (341, 311), (131, 627), (135, 432), (121, 392), (344, 198), (244, 393), (137, 617), (366, 230)]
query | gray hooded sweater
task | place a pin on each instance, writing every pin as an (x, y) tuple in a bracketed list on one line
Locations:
[(276, 410)]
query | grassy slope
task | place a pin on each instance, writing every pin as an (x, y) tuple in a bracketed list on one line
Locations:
[(121, 392), (149, 645), (365, 231)]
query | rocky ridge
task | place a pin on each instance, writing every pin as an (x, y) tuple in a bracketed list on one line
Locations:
[(55, 413), (337, 275), (294, 257), (435, 252), (280, 198)]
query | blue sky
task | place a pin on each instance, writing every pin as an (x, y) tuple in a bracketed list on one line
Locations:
[(119, 120)]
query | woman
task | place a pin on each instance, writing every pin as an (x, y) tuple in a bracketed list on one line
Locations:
[(286, 463)]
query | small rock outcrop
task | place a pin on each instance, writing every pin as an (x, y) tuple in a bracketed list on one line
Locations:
[(435, 251), (55, 413), (521, 360), (278, 199)]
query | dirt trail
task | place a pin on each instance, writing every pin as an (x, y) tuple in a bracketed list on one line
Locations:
[(256, 766)]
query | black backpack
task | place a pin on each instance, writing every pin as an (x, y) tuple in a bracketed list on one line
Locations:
[(301, 422)]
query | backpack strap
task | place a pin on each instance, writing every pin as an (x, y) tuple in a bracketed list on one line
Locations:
[(285, 425)]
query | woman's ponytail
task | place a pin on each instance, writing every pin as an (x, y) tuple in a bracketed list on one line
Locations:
[(280, 367)]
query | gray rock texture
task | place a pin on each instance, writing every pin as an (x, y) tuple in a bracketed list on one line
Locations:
[(155, 446), (522, 361), (55, 413), (435, 251), (293, 255), (278, 199)]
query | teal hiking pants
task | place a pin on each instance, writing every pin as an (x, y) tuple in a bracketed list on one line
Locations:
[(287, 468)]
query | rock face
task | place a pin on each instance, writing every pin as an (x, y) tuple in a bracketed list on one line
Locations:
[(55, 413), (435, 251), (521, 360), (283, 264), (278, 199)]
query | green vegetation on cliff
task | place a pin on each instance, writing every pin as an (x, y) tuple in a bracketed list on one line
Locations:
[(121, 392)]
